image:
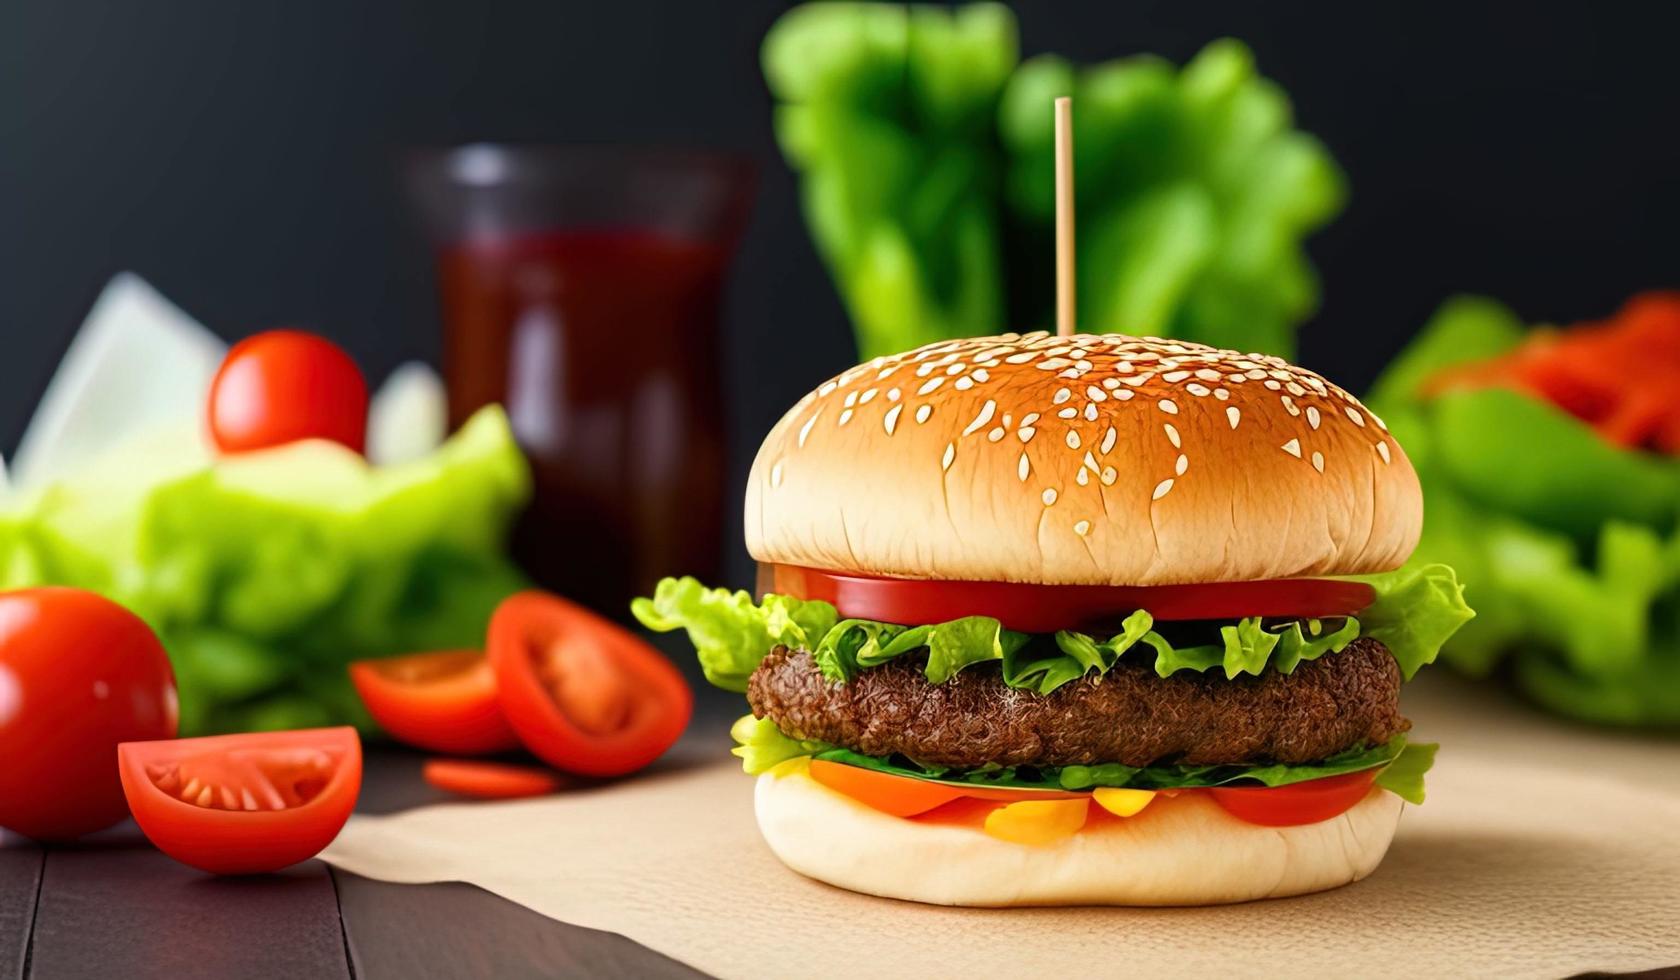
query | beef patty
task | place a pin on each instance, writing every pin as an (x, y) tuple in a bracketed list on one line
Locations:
[(1129, 715)]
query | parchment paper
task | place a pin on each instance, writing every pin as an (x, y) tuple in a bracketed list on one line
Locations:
[(1512, 868)]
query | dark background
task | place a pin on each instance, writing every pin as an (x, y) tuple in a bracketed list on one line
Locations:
[(240, 157)]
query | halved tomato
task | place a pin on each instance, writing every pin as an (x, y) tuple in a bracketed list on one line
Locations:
[(1298, 803), (1048, 608), (243, 804), (905, 796), (488, 780), (584, 694), (445, 702)]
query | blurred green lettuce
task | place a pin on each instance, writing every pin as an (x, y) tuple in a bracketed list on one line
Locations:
[(926, 155), (265, 574), (1569, 546)]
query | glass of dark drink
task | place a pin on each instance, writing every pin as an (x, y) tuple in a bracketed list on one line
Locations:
[(581, 289)]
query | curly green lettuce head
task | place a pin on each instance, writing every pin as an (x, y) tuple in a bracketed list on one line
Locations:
[(1570, 546)]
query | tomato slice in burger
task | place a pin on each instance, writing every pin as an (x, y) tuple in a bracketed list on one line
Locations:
[(1048, 608), (1298, 803), (904, 796), (243, 804), (584, 695), (445, 702)]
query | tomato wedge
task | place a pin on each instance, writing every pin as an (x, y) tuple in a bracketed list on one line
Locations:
[(1298, 803), (584, 695), (445, 702), (904, 796), (243, 804), (1048, 608), (488, 780)]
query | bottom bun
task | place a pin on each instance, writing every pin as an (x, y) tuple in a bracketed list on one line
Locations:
[(1182, 850)]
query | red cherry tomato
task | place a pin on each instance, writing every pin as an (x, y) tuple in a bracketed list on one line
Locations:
[(1298, 803), (244, 804), (1048, 608), (489, 780), (445, 702), (283, 386), (585, 695), (78, 675)]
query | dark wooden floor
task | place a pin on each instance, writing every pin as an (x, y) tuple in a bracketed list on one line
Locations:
[(114, 906)]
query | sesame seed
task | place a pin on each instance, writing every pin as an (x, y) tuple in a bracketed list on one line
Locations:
[(1090, 461), (1208, 374), (1072, 439), (980, 420), (923, 413), (845, 417), (1071, 374), (1354, 416), (1082, 478), (868, 396), (1175, 377), (1377, 419), (963, 384), (925, 370), (1021, 358), (956, 369), (1068, 413), (1382, 450), (950, 454), (1091, 411), (1293, 448), (1318, 461), (1172, 434), (893, 394), (1223, 394), (1108, 475), (1029, 418), (1312, 416), (1095, 394), (827, 388), (1082, 528), (929, 385), (1233, 415), (887, 373), (1124, 394), (1167, 405), (982, 375), (1295, 389), (1023, 467), (891, 420), (996, 434), (1181, 464), (1048, 496), (1111, 383), (1161, 489), (1289, 405), (1062, 395), (1200, 391), (805, 430), (1272, 385), (1053, 363), (1108, 440), (851, 399), (776, 475)]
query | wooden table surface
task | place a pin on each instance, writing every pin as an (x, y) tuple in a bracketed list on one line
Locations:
[(114, 906)]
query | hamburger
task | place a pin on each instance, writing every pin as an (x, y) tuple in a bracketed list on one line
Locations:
[(1094, 619)]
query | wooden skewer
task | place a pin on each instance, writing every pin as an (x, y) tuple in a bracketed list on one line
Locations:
[(1065, 314)]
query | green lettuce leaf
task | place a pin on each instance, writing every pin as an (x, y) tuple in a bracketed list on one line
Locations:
[(762, 746), (1570, 546), (730, 632), (265, 573), (1415, 610)]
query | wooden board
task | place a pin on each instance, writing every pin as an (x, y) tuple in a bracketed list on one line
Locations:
[(20, 877)]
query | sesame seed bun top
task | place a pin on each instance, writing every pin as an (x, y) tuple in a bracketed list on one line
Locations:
[(1091, 459)]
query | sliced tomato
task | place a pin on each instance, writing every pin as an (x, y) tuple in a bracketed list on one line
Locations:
[(1298, 803), (489, 780), (906, 796), (445, 702), (1048, 608), (584, 694), (243, 804)]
